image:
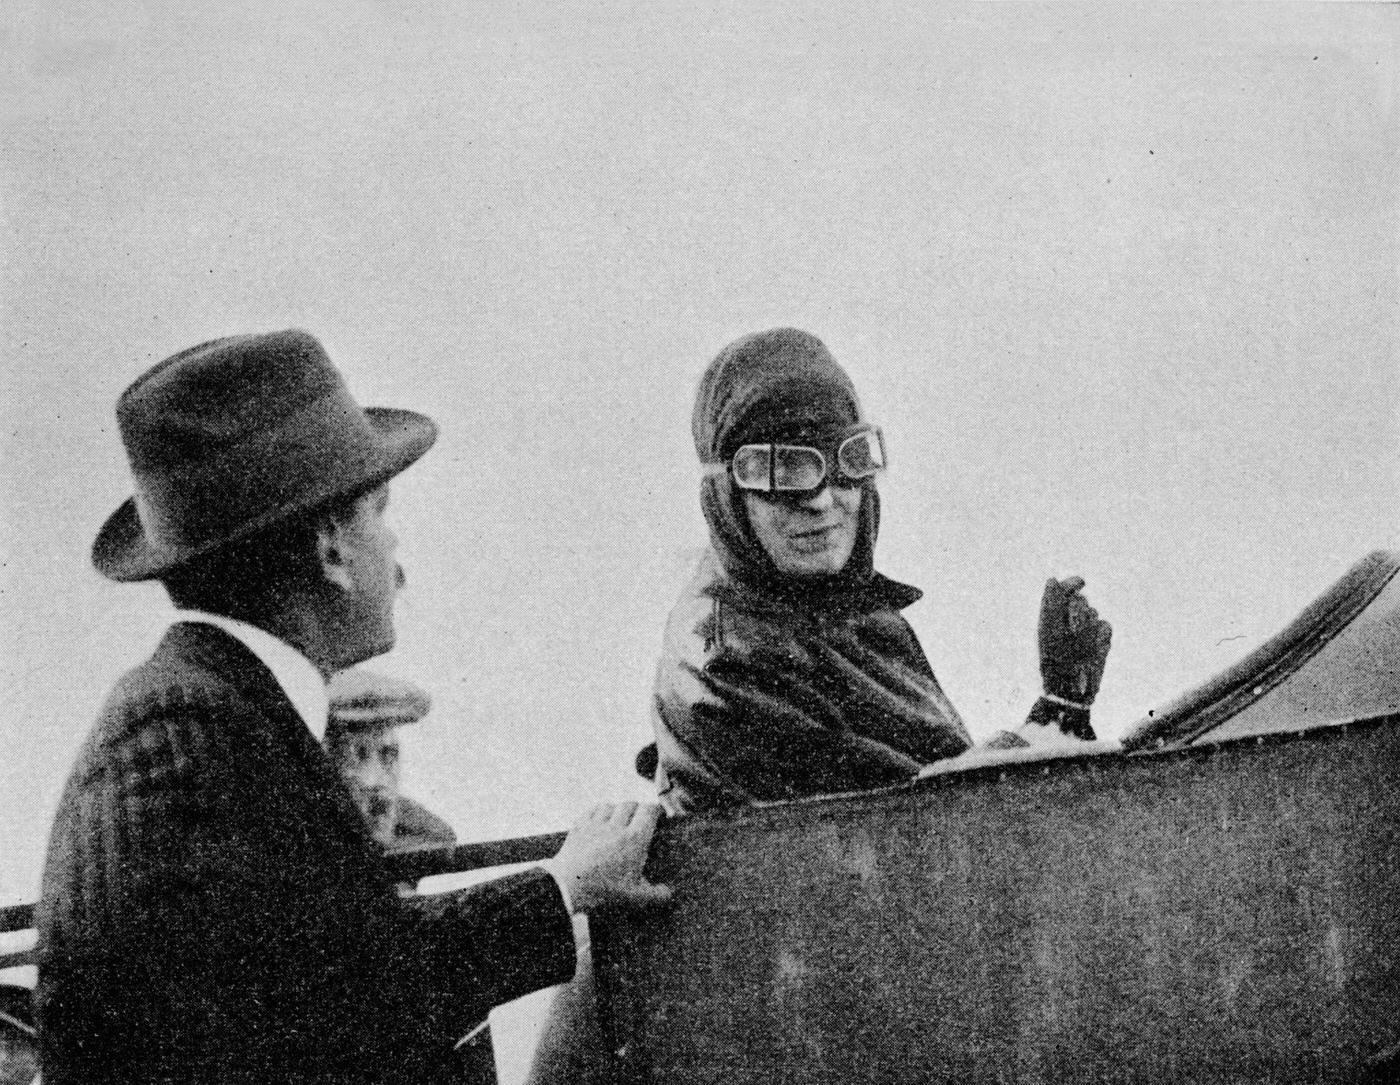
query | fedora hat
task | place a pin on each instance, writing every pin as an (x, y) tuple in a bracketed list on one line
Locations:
[(236, 434)]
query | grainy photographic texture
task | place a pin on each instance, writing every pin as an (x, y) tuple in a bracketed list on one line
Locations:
[(1119, 282)]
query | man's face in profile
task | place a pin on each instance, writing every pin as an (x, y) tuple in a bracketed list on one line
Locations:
[(367, 546), (368, 761)]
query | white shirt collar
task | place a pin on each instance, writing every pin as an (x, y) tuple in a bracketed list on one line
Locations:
[(297, 675)]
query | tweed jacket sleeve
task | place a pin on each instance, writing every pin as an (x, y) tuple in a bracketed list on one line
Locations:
[(213, 909)]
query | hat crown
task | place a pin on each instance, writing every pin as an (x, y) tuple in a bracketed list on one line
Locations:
[(211, 396)]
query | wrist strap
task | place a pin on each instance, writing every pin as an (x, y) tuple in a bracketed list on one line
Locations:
[(1070, 718), (1067, 703)]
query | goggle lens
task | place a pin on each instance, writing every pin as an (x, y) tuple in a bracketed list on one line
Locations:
[(862, 455), (753, 467), (799, 468)]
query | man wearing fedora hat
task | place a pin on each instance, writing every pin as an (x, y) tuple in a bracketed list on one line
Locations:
[(213, 908)]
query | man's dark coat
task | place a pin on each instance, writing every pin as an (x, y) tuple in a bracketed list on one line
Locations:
[(214, 911)]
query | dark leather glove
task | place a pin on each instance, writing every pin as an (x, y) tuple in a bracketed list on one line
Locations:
[(1074, 643)]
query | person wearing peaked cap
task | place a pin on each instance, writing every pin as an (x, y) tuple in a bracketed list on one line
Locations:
[(366, 710), (212, 908)]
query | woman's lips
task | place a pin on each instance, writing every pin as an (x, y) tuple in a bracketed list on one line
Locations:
[(818, 538)]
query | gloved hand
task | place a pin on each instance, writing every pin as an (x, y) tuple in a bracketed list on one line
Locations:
[(1074, 643)]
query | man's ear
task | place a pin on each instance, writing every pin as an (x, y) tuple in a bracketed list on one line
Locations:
[(331, 553)]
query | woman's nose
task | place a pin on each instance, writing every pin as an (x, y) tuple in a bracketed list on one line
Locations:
[(820, 500)]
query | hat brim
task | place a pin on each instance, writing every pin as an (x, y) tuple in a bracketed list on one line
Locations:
[(124, 553)]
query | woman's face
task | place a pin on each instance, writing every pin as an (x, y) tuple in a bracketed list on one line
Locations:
[(813, 536)]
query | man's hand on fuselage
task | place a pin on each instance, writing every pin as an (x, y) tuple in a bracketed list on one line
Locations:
[(600, 863)]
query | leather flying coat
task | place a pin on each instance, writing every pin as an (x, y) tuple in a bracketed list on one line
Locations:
[(759, 697)]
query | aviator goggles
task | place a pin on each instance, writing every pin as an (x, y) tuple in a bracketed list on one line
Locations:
[(775, 468)]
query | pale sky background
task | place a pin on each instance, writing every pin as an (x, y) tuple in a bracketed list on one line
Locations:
[(1120, 283)]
